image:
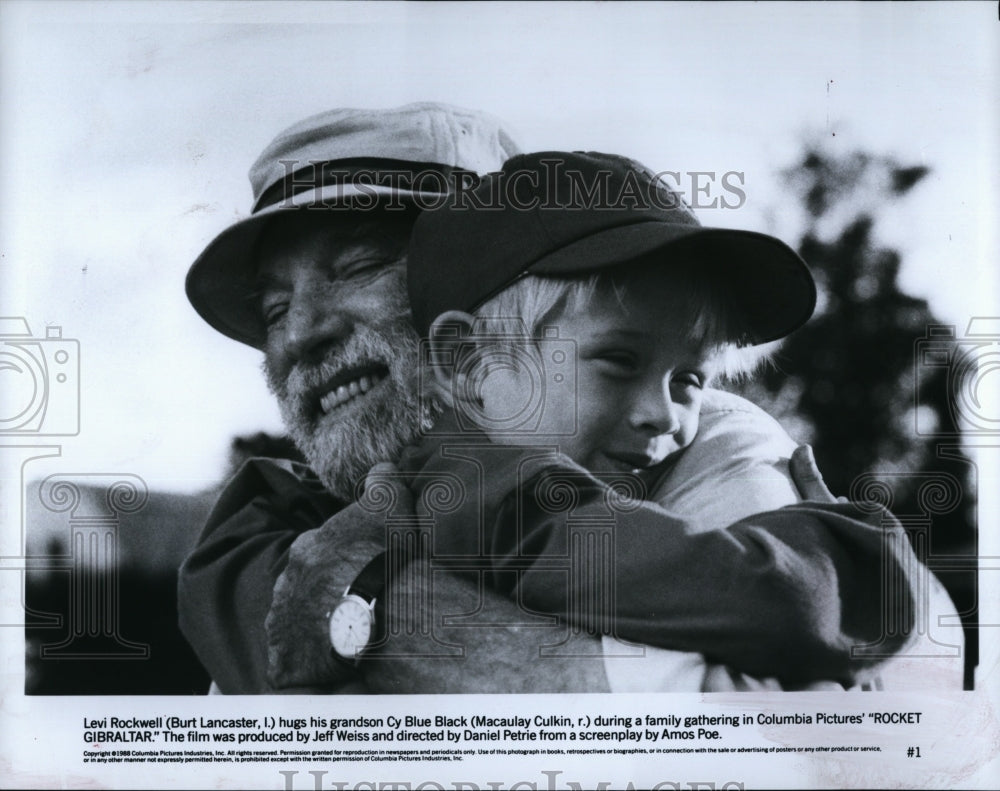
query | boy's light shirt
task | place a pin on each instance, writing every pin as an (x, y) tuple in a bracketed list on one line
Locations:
[(737, 466)]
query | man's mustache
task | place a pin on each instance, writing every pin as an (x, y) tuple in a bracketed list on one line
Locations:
[(377, 352)]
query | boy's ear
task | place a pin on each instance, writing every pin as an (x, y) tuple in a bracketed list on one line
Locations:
[(448, 340)]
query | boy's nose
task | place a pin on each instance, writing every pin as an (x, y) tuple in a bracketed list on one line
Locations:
[(654, 411), (313, 324)]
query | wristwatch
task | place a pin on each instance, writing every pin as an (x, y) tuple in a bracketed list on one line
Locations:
[(352, 622)]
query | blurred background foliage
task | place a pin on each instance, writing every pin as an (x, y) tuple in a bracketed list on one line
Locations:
[(851, 383), (855, 382)]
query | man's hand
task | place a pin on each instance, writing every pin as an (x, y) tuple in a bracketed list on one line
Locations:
[(808, 479), (498, 657), (322, 563)]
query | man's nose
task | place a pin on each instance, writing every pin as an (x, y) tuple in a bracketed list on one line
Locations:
[(654, 411), (313, 324)]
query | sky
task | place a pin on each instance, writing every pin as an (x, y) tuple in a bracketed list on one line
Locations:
[(128, 128)]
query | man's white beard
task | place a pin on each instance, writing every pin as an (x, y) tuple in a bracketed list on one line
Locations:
[(377, 428)]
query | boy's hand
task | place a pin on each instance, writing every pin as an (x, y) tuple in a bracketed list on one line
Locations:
[(808, 479)]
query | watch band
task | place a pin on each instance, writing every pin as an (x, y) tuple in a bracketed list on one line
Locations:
[(371, 580)]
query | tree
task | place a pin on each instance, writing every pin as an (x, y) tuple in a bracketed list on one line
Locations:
[(851, 382)]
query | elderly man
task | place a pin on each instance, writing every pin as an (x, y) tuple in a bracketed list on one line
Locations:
[(315, 278)]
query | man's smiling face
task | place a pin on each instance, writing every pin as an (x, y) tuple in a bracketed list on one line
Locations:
[(340, 353)]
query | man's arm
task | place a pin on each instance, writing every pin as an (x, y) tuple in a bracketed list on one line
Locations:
[(497, 656), (266, 522), (492, 657), (225, 594), (225, 585)]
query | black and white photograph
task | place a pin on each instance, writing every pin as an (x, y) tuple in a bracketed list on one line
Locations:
[(499, 395)]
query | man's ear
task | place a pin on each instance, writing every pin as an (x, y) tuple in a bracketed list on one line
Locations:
[(449, 341)]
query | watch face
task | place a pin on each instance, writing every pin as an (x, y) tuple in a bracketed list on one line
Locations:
[(350, 627)]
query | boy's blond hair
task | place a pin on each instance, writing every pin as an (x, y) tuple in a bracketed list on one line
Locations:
[(534, 302)]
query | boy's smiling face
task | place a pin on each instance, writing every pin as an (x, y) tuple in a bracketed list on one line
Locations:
[(639, 381)]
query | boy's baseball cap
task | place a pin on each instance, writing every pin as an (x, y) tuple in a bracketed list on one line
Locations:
[(344, 159), (560, 213)]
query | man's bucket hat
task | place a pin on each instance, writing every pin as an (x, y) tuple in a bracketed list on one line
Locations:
[(343, 159), (560, 213)]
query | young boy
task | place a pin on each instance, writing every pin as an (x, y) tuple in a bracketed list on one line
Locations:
[(573, 328)]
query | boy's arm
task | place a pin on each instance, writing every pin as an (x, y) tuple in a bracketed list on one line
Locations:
[(786, 593)]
